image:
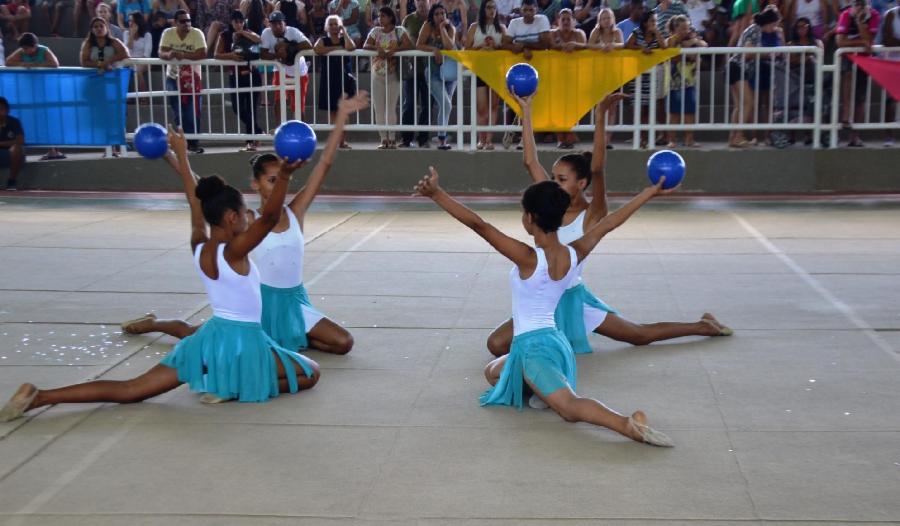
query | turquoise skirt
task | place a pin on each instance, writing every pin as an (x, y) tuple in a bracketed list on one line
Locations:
[(234, 360), (282, 315), (544, 357), (569, 316)]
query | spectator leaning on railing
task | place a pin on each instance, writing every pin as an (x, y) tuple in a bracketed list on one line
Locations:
[(33, 55), (181, 43), (12, 145), (101, 51), (16, 14), (387, 39), (803, 65), (240, 44), (486, 34), (335, 78), (606, 37), (416, 102), (568, 38), (282, 43), (438, 34), (529, 32), (857, 27), (647, 37)]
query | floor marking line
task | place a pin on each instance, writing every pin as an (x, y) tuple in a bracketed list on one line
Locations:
[(816, 285), (348, 253)]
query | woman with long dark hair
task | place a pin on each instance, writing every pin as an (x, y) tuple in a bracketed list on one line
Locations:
[(486, 34)]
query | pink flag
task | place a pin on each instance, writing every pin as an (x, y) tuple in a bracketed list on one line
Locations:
[(885, 72)]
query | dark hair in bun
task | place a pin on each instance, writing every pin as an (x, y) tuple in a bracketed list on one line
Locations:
[(580, 164), (216, 197), (547, 202), (259, 162)]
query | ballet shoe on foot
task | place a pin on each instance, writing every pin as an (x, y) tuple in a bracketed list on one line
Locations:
[(19, 403), (209, 398), (130, 325), (723, 330), (648, 435), (535, 402)]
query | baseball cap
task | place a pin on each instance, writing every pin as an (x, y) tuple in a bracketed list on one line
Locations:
[(276, 16)]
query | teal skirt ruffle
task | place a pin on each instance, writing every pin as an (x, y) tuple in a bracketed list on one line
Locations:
[(544, 357), (282, 315), (234, 360), (569, 316)]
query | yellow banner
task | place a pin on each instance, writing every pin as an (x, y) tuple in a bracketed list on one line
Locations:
[(569, 84)]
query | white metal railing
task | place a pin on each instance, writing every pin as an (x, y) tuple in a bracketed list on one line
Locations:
[(803, 95)]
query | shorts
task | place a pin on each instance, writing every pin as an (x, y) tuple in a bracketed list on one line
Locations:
[(689, 105), (862, 79), (736, 73), (289, 86), (5, 158)]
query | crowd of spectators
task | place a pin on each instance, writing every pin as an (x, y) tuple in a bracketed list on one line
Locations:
[(244, 30)]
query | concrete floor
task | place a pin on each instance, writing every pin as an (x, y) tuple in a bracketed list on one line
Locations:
[(794, 418)]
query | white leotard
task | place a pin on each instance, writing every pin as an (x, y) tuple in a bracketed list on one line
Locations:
[(569, 233), (534, 299), (280, 255), (232, 296)]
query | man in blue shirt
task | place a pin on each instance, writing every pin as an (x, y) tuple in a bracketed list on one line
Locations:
[(634, 17)]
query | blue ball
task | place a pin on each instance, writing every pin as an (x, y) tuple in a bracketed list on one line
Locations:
[(295, 140), (151, 141), (666, 163), (522, 79)]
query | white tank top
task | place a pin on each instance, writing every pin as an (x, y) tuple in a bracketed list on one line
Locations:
[(280, 255), (811, 10), (479, 37), (534, 299), (232, 296), (569, 233)]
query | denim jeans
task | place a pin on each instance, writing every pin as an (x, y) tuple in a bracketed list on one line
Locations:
[(187, 114)]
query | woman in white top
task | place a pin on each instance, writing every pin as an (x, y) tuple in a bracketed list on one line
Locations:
[(287, 314), (579, 312), (541, 359), (140, 45), (230, 357), (486, 34)]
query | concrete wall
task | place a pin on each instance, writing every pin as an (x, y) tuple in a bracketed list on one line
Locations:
[(763, 171)]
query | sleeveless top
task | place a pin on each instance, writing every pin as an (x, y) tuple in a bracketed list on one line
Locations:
[(480, 36), (232, 296), (569, 233), (280, 255), (812, 10), (39, 57), (103, 53), (534, 300)]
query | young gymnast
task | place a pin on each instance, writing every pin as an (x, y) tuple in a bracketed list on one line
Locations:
[(580, 312), (540, 356), (230, 357), (287, 314)]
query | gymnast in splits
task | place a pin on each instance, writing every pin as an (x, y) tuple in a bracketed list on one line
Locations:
[(540, 356), (580, 312), (287, 314)]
